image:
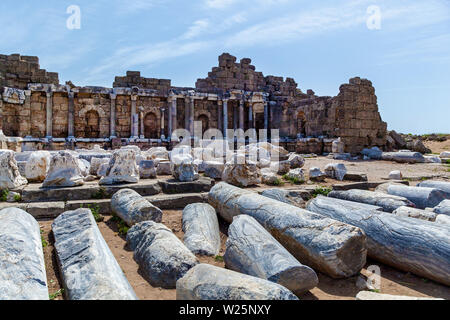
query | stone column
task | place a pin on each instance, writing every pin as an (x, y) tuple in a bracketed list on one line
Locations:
[(250, 116), (191, 115), (141, 120), (235, 117), (170, 117), (27, 119), (174, 116), (225, 117), (162, 124), (266, 115), (112, 121), (241, 114), (219, 116), (186, 113), (1, 115), (134, 118), (49, 118), (70, 116)]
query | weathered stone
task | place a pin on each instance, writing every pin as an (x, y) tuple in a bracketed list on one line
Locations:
[(403, 157), (355, 176), (161, 256), (421, 197), (88, 268), (12, 196), (445, 155), (64, 171), (395, 175), (399, 141), (183, 168), (443, 219), (158, 153), (37, 166), (290, 197), (122, 168), (201, 229), (338, 146), (103, 169), (315, 174), (441, 185), (412, 245), (10, 177), (268, 177), (373, 153), (147, 169), (321, 243), (443, 208), (214, 169), (22, 266), (415, 213), (281, 167), (296, 160), (95, 165), (341, 156), (207, 282), (239, 172), (336, 171), (389, 203), (163, 168), (132, 208), (432, 159), (296, 175), (369, 295), (253, 251), (85, 167), (417, 146)]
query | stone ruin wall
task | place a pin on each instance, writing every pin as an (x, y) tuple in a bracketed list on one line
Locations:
[(307, 122)]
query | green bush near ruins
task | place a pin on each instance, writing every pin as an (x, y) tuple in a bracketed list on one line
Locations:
[(321, 191), (4, 195), (293, 179), (95, 209), (121, 225)]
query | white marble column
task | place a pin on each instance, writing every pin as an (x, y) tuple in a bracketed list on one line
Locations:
[(27, 106), (141, 122), (170, 116), (225, 117), (49, 115), (241, 114), (235, 117), (134, 118), (70, 116), (1, 116), (266, 115), (162, 124), (219, 116), (112, 119), (251, 124), (191, 115), (186, 113)]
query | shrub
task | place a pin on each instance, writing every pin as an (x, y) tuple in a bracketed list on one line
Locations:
[(321, 191), (121, 225), (55, 295), (100, 194), (293, 180), (4, 195)]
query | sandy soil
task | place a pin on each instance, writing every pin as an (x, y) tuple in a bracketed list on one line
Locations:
[(393, 281), (438, 147)]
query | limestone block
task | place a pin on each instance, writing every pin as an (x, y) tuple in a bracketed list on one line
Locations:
[(183, 168), (122, 168), (214, 169), (88, 268), (315, 174), (64, 171), (415, 213), (85, 167), (280, 167), (296, 174), (395, 175), (22, 266), (37, 166), (207, 282), (162, 257), (443, 219), (132, 208), (336, 171), (241, 173), (158, 153), (253, 251), (201, 229), (268, 177), (147, 169), (163, 168), (96, 163), (338, 146), (296, 160), (10, 177)]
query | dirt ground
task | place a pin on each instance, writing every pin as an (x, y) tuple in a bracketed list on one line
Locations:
[(438, 147), (392, 281)]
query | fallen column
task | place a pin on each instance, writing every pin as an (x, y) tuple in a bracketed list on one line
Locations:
[(332, 247), (88, 268), (415, 246), (415, 213), (132, 208), (207, 282), (421, 197), (161, 256), (403, 157), (368, 295), (441, 185), (388, 202), (22, 267), (201, 229), (443, 220), (253, 251), (443, 208)]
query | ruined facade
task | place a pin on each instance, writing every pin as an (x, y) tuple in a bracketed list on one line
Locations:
[(145, 111)]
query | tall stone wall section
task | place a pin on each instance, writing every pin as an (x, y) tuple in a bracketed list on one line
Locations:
[(134, 79), (17, 71)]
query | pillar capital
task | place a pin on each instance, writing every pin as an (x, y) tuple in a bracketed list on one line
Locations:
[(134, 97), (49, 94), (113, 96)]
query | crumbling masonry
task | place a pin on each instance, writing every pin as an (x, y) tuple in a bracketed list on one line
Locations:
[(40, 113)]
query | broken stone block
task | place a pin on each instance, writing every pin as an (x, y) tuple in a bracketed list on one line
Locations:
[(183, 168), (95, 165), (443, 219), (64, 171), (315, 174), (207, 282), (252, 250), (158, 153), (163, 168), (338, 146), (88, 268), (162, 257), (122, 168), (147, 169), (281, 167), (395, 175), (268, 177), (214, 169), (287, 196), (132, 208), (374, 153), (441, 185), (84, 167), (10, 177), (201, 229), (296, 174), (443, 208), (403, 157), (240, 172), (422, 197), (37, 166), (22, 266), (415, 213), (336, 171), (296, 160)]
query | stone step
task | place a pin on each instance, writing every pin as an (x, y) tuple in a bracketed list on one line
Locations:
[(51, 210), (91, 190)]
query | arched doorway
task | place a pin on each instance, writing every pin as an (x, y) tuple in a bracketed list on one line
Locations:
[(301, 124), (205, 123), (151, 126), (92, 128)]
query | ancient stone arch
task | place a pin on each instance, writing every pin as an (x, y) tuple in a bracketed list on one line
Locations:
[(204, 117), (92, 126), (86, 109), (301, 123)]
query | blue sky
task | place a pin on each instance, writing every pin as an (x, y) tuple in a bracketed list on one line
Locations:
[(321, 44)]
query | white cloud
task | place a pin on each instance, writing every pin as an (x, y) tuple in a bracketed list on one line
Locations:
[(196, 29), (219, 4)]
